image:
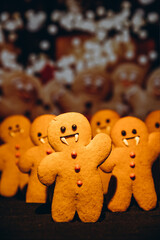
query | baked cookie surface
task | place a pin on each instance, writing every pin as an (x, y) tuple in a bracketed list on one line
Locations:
[(74, 167), (131, 164)]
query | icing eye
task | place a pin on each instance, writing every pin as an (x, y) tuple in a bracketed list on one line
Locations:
[(17, 125), (88, 105), (39, 102), (123, 133), (99, 82), (157, 125), (123, 75), (9, 128), (74, 127), (87, 81), (63, 129), (98, 123), (107, 120), (39, 134), (134, 131), (47, 107), (133, 76)]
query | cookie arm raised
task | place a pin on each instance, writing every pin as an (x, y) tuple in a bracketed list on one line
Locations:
[(154, 144), (48, 169), (26, 161), (2, 153), (99, 148), (110, 163)]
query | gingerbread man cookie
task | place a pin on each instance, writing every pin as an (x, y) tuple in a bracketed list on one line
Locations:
[(19, 94), (103, 121), (36, 192), (131, 165), (88, 92), (74, 167), (144, 101), (14, 131), (152, 121)]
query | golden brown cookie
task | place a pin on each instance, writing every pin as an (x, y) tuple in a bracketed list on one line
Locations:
[(14, 131), (144, 101), (19, 94), (103, 121), (88, 92), (152, 121), (74, 168), (131, 165), (36, 192)]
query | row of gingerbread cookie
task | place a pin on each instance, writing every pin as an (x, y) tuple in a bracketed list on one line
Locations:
[(38, 136), (121, 90)]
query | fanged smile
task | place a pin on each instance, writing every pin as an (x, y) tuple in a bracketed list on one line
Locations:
[(42, 139), (63, 139), (13, 132), (98, 130), (125, 140)]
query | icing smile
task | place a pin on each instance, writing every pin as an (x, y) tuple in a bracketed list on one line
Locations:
[(108, 128), (125, 140), (63, 139), (13, 132), (43, 139)]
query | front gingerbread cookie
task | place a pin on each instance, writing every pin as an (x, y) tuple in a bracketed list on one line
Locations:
[(131, 164), (74, 167)]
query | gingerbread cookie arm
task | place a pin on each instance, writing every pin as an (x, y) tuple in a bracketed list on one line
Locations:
[(99, 147), (2, 153), (26, 161), (110, 163), (154, 143), (48, 169)]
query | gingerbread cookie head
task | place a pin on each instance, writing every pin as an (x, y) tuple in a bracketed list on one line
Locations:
[(153, 84), (128, 74), (39, 129), (25, 87), (129, 131), (103, 121), (93, 82), (67, 130), (153, 121), (14, 127)]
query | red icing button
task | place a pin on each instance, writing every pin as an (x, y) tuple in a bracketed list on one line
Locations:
[(17, 147), (79, 183), (74, 154), (49, 151), (132, 176), (77, 168), (132, 154), (16, 162), (132, 164), (17, 155)]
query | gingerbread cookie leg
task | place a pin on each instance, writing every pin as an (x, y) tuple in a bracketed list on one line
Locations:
[(36, 192), (23, 180), (122, 196), (9, 183), (145, 194), (63, 206), (89, 206), (105, 178)]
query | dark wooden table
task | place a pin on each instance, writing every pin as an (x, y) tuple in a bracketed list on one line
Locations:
[(20, 220)]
